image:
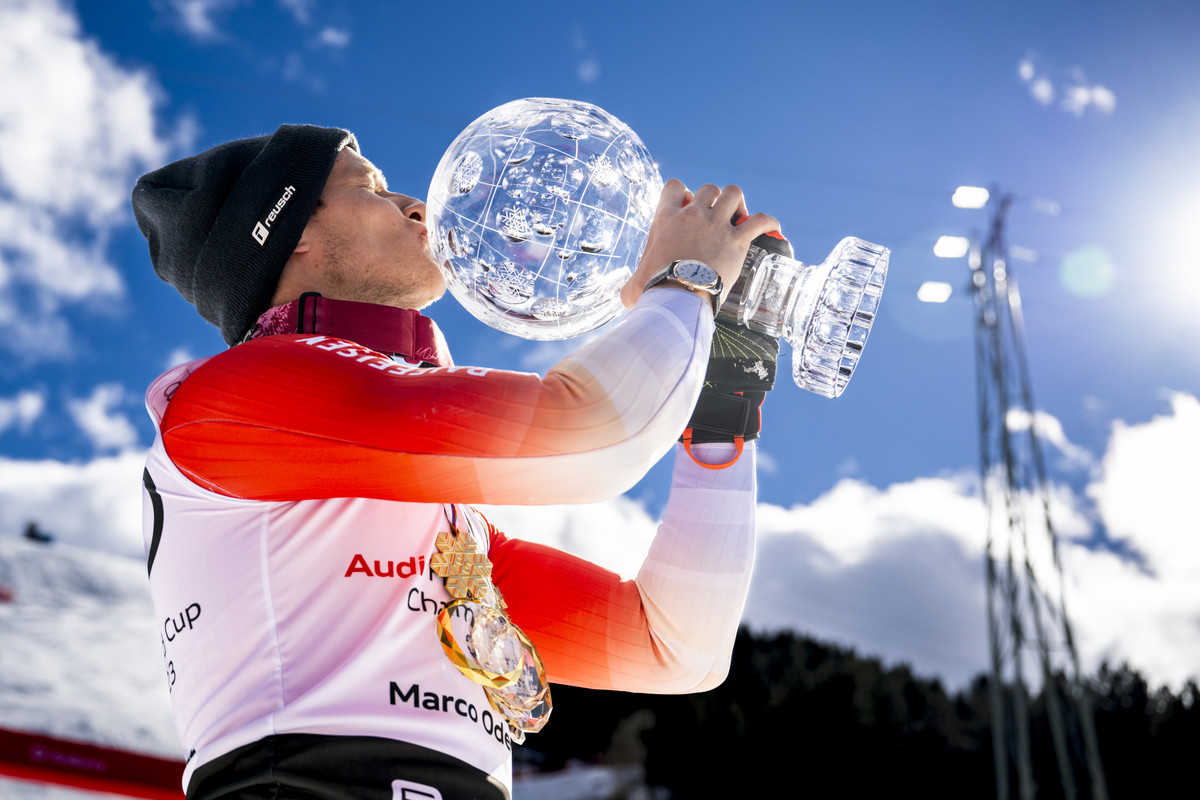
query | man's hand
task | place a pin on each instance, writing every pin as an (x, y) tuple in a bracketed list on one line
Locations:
[(697, 225)]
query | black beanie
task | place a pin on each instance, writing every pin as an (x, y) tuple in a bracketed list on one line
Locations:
[(222, 224)]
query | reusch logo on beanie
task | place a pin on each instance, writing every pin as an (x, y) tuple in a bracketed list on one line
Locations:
[(263, 229)]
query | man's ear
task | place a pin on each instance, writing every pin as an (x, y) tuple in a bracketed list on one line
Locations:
[(306, 238), (291, 278)]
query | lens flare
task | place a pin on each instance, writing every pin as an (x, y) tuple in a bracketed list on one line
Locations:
[(1087, 272)]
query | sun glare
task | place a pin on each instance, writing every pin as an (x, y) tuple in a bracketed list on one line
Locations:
[(1180, 247)]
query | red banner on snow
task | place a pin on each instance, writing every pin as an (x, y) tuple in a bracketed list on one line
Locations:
[(46, 759)]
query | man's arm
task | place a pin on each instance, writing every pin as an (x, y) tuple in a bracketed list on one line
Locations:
[(306, 417), (672, 628)]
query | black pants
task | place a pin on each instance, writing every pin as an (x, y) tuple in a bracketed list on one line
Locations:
[(301, 766)]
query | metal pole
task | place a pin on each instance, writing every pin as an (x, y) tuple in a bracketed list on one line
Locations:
[(1012, 468)]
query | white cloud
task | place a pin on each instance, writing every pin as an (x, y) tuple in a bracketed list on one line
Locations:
[(1103, 99), (1050, 431), (1122, 614), (78, 128), (97, 504), (338, 38), (1077, 93), (854, 519), (1042, 90), (588, 70), (196, 18), (108, 429), (1147, 614), (293, 68), (894, 572), (301, 10), (58, 268), (21, 410), (180, 355), (615, 534), (768, 464), (1149, 475)]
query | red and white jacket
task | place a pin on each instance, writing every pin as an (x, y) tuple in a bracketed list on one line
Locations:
[(297, 484)]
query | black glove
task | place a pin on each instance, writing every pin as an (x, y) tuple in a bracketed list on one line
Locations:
[(741, 370)]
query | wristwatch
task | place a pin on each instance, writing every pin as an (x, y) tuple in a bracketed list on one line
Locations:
[(695, 276)]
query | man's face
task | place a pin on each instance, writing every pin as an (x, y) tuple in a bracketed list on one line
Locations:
[(368, 244)]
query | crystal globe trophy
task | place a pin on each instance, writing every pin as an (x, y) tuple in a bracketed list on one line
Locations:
[(539, 211)]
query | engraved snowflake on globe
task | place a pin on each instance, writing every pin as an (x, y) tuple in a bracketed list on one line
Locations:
[(538, 213)]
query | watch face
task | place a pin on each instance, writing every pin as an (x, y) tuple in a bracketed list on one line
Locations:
[(696, 272)]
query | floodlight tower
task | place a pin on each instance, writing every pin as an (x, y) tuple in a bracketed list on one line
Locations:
[(1028, 626)]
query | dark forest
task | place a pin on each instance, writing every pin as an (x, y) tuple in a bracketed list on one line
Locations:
[(823, 721)]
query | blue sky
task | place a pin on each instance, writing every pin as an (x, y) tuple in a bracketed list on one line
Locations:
[(849, 118)]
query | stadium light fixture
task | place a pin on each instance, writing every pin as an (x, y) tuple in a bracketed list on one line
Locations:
[(970, 197), (934, 292), (951, 246)]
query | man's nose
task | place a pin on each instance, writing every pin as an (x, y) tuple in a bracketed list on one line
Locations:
[(412, 208)]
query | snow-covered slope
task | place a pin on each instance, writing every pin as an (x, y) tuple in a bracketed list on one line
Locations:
[(79, 652)]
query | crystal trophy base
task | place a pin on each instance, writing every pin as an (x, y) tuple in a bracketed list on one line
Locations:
[(824, 311)]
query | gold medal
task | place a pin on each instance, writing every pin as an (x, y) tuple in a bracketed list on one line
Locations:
[(482, 642), (468, 573)]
